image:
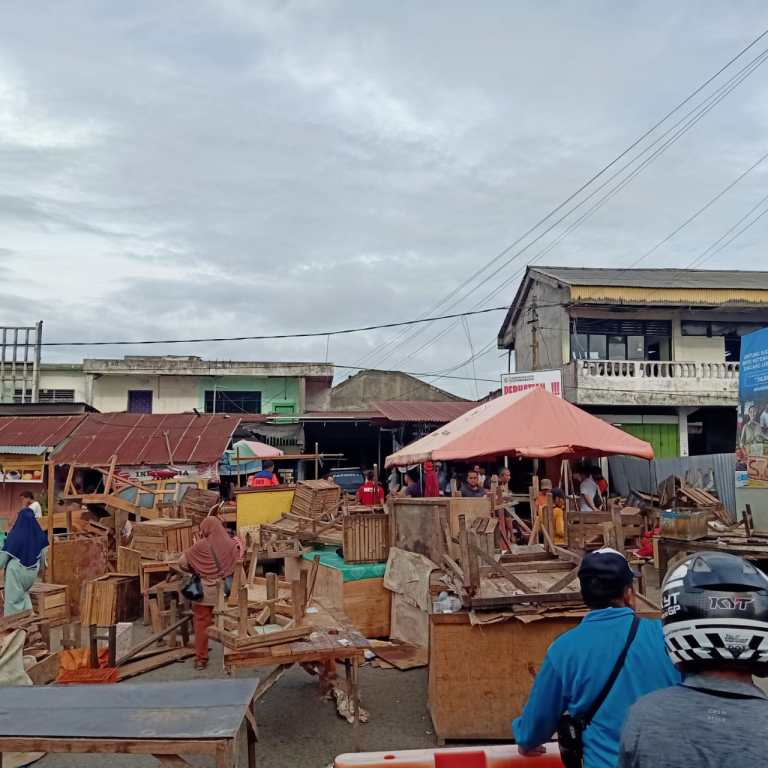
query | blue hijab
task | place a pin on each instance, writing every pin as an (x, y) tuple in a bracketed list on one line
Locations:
[(26, 540)]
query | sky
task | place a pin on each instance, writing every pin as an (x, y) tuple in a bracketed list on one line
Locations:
[(198, 169)]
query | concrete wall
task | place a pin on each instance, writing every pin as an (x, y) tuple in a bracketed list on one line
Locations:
[(170, 394), (552, 330), (65, 380), (360, 391), (698, 349)]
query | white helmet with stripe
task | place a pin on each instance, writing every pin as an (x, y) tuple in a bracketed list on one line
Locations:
[(715, 610)]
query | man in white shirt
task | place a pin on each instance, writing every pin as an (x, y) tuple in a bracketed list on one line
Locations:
[(28, 500), (588, 490)]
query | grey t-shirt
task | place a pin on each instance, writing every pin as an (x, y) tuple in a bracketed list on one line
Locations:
[(707, 722)]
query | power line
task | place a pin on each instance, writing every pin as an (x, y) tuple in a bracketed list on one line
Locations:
[(306, 335), (600, 173), (616, 189)]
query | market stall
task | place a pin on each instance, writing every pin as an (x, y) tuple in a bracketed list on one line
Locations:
[(484, 656)]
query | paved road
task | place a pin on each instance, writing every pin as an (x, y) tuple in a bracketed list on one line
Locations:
[(297, 727)]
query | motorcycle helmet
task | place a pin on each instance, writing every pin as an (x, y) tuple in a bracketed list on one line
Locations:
[(715, 610)]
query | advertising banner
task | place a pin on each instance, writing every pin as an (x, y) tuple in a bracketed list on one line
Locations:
[(752, 428), (552, 381)]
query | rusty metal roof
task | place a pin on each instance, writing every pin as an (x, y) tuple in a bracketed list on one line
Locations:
[(41, 432), (137, 439), (423, 410)]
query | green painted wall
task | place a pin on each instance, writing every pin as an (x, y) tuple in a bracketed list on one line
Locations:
[(275, 390), (663, 437)]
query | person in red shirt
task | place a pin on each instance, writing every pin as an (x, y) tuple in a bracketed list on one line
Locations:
[(370, 493), (431, 483)]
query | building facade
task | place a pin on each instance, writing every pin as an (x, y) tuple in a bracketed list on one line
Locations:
[(171, 384), (654, 351)]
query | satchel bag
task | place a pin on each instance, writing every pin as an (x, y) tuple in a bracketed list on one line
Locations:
[(193, 588), (570, 729)]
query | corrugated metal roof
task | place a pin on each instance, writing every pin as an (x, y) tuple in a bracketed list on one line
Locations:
[(139, 439), (423, 410), (23, 450), (40, 432), (656, 278)]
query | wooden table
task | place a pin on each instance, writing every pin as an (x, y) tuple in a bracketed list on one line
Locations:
[(668, 548), (322, 647), (166, 720)]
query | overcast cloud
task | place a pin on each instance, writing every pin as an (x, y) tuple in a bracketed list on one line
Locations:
[(227, 167)]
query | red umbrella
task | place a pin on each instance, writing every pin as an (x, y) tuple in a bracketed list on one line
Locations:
[(534, 424)]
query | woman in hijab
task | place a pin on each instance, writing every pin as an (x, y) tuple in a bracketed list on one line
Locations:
[(21, 556), (212, 557)]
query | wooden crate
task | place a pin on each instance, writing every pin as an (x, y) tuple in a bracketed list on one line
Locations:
[(49, 601), (366, 538), (315, 498), (480, 676), (110, 599), (365, 602), (156, 539)]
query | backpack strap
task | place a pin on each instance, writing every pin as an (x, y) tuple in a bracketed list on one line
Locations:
[(598, 702)]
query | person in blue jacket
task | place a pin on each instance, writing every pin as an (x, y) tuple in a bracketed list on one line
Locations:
[(579, 663)]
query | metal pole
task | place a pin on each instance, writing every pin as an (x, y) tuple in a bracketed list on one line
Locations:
[(25, 369), (36, 365), (317, 461)]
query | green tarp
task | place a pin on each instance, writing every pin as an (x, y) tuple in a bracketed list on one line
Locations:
[(350, 571)]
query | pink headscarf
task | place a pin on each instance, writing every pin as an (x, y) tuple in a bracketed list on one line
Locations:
[(213, 539)]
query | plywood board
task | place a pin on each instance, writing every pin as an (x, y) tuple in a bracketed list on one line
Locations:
[(480, 677), (78, 559)]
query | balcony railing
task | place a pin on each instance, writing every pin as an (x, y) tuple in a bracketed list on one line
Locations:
[(657, 369)]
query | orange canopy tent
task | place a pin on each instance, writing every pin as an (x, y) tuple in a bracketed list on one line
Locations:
[(533, 424)]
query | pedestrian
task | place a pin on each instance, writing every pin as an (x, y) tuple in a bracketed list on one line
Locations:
[(715, 616), (431, 482), (265, 477), (28, 500), (213, 558), (589, 493), (370, 493), (472, 487), (21, 556), (597, 670), (412, 487)]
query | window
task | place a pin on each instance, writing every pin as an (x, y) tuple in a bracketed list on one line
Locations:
[(232, 401), (46, 396), (139, 401), (599, 339)]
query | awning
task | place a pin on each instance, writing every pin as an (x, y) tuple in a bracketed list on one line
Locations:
[(533, 424)]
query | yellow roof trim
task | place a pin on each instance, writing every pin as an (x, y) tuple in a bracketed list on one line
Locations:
[(604, 294)]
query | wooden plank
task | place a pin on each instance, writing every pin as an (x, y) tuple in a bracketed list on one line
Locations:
[(270, 680), (135, 668), (150, 641), (470, 566), (501, 570), (504, 601), (565, 580)]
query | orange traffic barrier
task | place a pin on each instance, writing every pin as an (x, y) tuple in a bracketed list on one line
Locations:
[(505, 756)]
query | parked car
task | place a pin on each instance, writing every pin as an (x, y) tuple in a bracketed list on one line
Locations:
[(349, 479)]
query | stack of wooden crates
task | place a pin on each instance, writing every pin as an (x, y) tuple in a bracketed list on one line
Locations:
[(49, 602)]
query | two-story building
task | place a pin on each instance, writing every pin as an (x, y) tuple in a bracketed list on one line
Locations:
[(654, 351), (178, 384)]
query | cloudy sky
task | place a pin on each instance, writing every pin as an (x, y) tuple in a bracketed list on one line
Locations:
[(184, 169)]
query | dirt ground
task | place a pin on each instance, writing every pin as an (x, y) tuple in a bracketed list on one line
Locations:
[(297, 727)]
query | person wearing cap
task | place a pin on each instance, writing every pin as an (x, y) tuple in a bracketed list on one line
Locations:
[(715, 616), (578, 665)]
